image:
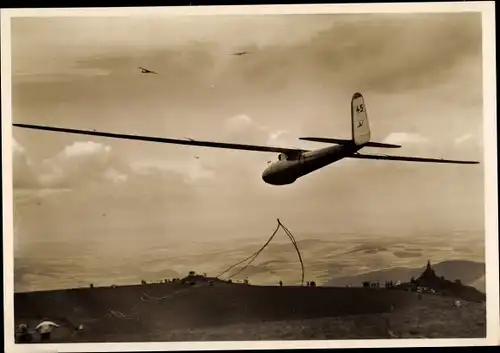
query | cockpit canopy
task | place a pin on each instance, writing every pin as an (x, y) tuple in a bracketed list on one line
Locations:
[(289, 156)]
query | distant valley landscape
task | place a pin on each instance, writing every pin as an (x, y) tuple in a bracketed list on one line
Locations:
[(339, 261)]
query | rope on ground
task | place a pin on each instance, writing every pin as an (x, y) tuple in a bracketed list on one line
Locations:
[(119, 314), (143, 298), (257, 253), (171, 295), (149, 298)]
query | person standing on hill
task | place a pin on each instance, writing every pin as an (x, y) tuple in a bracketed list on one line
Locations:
[(44, 328), (24, 334)]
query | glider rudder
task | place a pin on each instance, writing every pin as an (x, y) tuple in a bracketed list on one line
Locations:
[(359, 119)]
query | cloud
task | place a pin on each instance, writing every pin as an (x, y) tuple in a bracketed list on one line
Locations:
[(93, 37), (191, 171), (115, 176), (238, 123), (463, 138), (53, 74), (276, 137), (404, 138), (246, 130), (241, 128), (17, 148), (23, 195), (75, 165), (24, 174), (84, 149), (90, 163), (398, 51), (81, 163)]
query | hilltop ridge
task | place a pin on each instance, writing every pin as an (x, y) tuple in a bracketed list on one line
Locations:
[(470, 273), (428, 280)]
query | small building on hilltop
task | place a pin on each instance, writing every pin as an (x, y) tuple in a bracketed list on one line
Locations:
[(430, 282), (429, 271), (425, 282), (192, 278)]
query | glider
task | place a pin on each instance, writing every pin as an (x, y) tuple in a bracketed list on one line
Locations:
[(292, 163), (146, 71)]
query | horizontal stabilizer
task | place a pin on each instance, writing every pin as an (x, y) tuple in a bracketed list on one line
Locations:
[(344, 141), (409, 159), (381, 145), (326, 140)]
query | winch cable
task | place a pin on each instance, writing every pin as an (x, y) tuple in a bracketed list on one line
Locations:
[(254, 255), (294, 242)]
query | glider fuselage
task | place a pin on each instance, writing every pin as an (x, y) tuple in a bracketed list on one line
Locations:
[(289, 168)]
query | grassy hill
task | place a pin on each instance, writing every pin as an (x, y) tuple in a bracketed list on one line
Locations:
[(223, 311), (203, 305)]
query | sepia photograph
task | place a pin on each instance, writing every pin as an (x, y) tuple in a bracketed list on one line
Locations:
[(260, 174)]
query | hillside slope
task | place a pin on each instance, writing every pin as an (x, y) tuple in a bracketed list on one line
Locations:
[(175, 311)]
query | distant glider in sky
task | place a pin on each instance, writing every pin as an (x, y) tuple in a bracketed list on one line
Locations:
[(292, 163), (146, 71), (240, 53)]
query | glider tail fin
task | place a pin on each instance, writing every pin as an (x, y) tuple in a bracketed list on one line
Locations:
[(360, 126)]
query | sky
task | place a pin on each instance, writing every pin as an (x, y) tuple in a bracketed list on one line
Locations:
[(421, 76)]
